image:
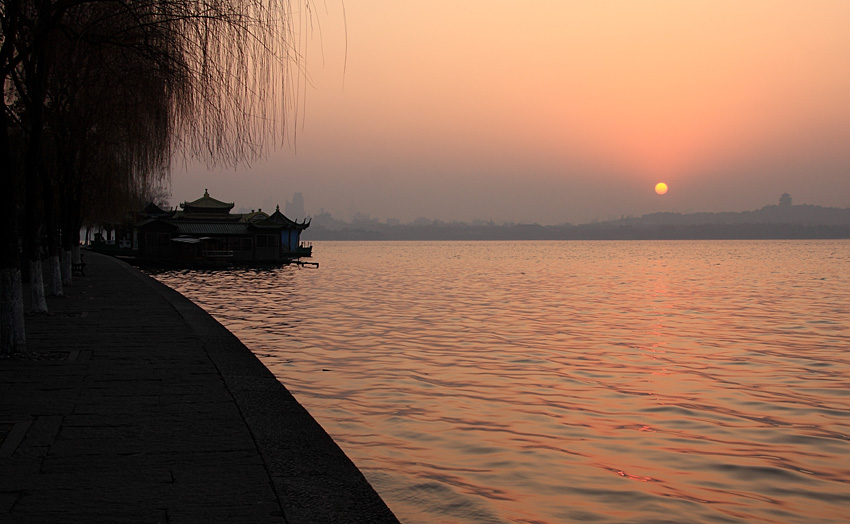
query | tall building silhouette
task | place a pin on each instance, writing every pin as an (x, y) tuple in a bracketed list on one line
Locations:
[(295, 209)]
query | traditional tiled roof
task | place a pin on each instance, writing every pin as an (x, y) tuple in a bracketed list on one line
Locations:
[(281, 219), (196, 216), (210, 217), (207, 204), (153, 210), (211, 228), (254, 216), (152, 220)]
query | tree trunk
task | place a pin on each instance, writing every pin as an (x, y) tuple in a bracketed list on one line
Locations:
[(19, 333), (12, 328), (67, 273), (70, 216), (36, 77), (54, 265), (51, 219), (33, 249), (54, 249), (32, 241), (39, 300)]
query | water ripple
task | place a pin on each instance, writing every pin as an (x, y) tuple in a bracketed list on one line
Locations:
[(545, 382)]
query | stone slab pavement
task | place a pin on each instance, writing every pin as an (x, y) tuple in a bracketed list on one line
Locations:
[(134, 405)]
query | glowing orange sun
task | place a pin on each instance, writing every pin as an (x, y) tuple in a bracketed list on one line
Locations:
[(661, 188)]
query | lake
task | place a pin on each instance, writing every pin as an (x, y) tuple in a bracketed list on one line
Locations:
[(556, 382)]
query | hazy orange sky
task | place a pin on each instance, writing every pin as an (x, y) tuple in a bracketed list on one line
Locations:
[(560, 111)]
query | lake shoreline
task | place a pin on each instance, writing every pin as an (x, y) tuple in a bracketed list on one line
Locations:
[(133, 403)]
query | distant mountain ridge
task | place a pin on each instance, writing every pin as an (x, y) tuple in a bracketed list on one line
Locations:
[(784, 221), (776, 214)]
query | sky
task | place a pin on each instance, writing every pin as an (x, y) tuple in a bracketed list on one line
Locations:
[(557, 111)]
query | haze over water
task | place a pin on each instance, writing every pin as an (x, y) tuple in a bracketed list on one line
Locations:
[(532, 382), (558, 111)]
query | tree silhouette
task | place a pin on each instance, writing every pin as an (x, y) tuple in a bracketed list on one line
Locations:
[(100, 96)]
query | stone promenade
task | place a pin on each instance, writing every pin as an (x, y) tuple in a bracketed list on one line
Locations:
[(136, 406)]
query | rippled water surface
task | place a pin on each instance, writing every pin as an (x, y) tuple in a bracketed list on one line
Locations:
[(548, 382)]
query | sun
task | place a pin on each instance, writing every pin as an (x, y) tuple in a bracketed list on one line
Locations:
[(661, 188)]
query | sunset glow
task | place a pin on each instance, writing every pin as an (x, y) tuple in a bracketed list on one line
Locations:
[(562, 111)]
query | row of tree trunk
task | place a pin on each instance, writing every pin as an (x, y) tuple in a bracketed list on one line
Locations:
[(97, 98)]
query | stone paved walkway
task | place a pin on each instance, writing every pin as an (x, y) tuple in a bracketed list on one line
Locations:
[(137, 406)]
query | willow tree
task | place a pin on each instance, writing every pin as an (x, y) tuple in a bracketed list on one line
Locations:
[(104, 94), (108, 113)]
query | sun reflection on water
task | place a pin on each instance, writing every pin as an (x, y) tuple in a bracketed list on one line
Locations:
[(603, 381)]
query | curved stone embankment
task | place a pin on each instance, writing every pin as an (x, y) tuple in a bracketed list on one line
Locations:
[(136, 406)]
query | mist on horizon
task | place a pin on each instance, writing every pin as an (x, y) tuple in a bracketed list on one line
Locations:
[(560, 112)]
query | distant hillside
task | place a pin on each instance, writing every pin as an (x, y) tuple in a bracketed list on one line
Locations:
[(769, 222), (801, 215)]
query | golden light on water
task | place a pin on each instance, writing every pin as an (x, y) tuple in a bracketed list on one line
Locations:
[(661, 188), (482, 397)]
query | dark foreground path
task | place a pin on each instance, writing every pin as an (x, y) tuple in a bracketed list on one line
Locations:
[(137, 406)]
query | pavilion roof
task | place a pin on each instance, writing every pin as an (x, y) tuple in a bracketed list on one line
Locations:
[(207, 204), (212, 229), (279, 218), (153, 210)]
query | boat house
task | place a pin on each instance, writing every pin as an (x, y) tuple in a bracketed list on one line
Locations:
[(204, 232)]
